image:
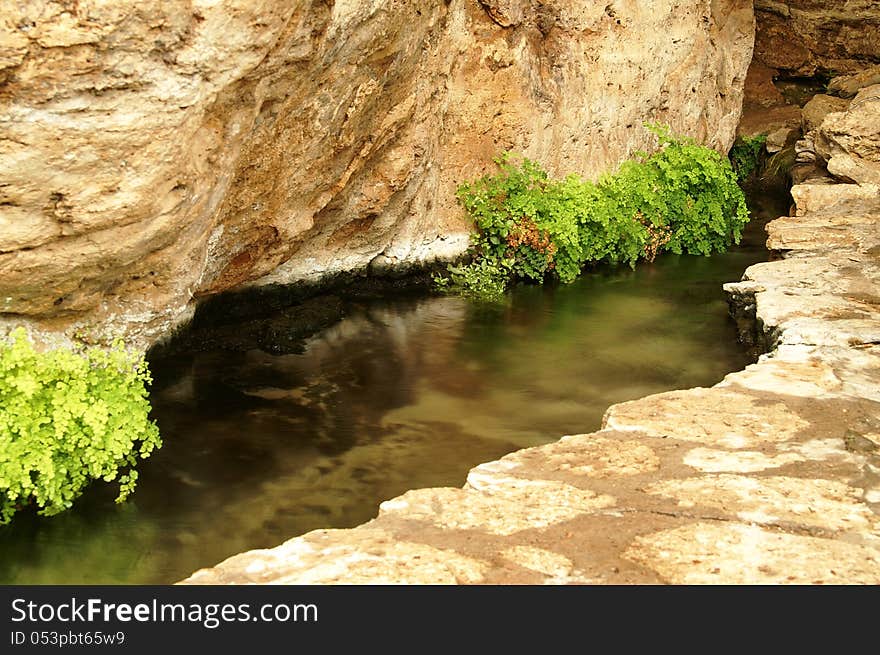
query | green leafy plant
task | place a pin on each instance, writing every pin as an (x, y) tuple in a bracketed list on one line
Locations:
[(484, 279), (67, 418), (746, 154), (683, 198)]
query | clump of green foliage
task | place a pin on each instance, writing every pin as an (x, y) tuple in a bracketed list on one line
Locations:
[(67, 418), (684, 199), (484, 279), (745, 155)]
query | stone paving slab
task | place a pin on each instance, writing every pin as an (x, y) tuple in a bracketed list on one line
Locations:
[(771, 476)]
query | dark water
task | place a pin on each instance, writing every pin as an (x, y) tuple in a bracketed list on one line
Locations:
[(401, 393)]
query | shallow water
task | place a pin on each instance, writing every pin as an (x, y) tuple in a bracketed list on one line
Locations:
[(401, 393)]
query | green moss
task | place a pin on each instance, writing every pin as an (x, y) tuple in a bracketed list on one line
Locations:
[(68, 418)]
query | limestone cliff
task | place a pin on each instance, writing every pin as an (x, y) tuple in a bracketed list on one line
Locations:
[(152, 153), (805, 37)]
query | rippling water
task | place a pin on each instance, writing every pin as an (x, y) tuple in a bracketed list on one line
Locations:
[(399, 394)]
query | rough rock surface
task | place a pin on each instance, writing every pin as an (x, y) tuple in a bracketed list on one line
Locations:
[(765, 110), (156, 152), (771, 476), (849, 141), (805, 37), (846, 86), (841, 141), (818, 108)]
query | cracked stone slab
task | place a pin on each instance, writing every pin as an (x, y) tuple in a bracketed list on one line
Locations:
[(853, 231), (858, 368), (557, 569), (361, 556), (812, 378), (712, 417), (803, 502), (501, 506), (815, 198), (736, 553), (709, 460), (588, 455)]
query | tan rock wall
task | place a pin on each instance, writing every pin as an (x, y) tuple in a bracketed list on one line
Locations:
[(803, 37), (156, 152), (849, 140)]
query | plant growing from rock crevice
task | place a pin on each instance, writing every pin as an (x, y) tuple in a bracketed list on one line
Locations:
[(684, 199), (746, 155), (68, 418)]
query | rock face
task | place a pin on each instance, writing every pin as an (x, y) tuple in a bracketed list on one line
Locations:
[(765, 110), (841, 140), (799, 39), (818, 108), (770, 476), (846, 86), (152, 153), (805, 37), (849, 141)]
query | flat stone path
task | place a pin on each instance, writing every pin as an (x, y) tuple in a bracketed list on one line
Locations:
[(771, 476)]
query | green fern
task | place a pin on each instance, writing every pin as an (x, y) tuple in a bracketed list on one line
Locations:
[(67, 418), (746, 153), (684, 198)]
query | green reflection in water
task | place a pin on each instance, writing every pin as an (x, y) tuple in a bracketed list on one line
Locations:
[(400, 394)]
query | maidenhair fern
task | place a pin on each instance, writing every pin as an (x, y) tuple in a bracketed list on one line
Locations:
[(745, 155), (684, 199), (68, 418)]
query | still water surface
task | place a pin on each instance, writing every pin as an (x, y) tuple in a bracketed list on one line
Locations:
[(402, 393)]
